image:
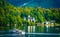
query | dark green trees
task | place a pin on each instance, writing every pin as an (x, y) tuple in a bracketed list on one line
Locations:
[(11, 15)]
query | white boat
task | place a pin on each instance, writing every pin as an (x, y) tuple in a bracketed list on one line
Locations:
[(22, 32)]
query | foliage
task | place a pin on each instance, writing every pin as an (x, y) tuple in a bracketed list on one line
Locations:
[(10, 14)]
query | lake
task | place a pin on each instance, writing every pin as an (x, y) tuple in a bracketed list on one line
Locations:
[(33, 31)]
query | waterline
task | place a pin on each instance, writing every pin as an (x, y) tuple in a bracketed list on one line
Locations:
[(30, 34), (44, 33)]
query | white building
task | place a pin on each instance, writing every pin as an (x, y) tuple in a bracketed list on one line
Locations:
[(29, 18), (24, 18)]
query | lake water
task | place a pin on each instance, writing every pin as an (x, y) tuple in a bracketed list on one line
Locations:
[(32, 31)]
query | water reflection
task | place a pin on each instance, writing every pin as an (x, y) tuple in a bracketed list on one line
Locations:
[(33, 31)]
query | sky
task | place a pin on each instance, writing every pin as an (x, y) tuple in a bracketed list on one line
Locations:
[(35, 3)]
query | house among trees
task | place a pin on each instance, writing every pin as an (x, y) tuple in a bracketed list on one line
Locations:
[(49, 23), (30, 19), (24, 18)]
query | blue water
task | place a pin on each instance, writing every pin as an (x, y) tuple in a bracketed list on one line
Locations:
[(31, 35), (52, 32)]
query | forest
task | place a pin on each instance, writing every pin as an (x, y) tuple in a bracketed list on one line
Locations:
[(9, 14)]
